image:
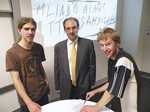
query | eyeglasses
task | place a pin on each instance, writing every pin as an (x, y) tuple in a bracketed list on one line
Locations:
[(71, 28)]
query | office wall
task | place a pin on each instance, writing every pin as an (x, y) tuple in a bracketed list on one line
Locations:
[(25, 7), (130, 27), (5, 79), (144, 40), (135, 31), (7, 103)]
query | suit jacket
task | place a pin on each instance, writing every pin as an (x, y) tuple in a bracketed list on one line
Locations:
[(85, 67)]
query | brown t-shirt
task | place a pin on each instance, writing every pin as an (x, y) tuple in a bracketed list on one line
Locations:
[(29, 65)]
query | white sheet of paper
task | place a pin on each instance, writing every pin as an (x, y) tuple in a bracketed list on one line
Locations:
[(69, 106)]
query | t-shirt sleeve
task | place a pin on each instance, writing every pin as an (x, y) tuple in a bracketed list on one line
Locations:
[(42, 53), (124, 69), (11, 62)]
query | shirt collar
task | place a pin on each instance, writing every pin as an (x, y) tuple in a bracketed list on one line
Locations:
[(70, 42)]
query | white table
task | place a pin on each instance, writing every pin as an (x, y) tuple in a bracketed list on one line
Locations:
[(69, 106)]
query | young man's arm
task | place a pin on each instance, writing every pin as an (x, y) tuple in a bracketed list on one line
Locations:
[(98, 90), (32, 106), (107, 97)]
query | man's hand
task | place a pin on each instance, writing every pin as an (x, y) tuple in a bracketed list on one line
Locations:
[(34, 107), (58, 92), (89, 95), (89, 108)]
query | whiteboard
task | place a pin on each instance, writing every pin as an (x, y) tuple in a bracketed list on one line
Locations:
[(7, 40), (93, 15)]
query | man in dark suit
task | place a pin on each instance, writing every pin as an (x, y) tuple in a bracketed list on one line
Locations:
[(85, 64)]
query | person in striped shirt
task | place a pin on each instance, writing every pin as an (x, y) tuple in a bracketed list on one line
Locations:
[(123, 76)]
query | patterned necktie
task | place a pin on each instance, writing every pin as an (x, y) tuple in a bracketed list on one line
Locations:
[(73, 64)]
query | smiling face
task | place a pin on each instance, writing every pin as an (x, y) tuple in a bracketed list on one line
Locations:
[(109, 41), (109, 48)]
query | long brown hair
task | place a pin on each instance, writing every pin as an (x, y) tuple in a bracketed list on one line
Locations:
[(23, 21)]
